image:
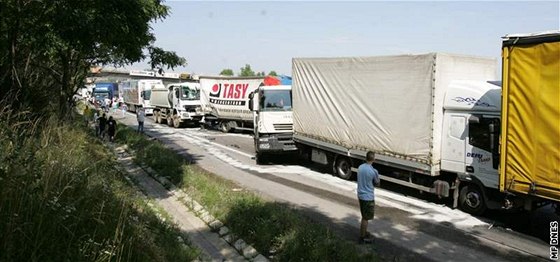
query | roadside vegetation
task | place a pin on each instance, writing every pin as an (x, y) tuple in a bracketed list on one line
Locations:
[(276, 230), (62, 198)]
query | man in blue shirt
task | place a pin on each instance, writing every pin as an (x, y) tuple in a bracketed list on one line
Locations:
[(367, 178)]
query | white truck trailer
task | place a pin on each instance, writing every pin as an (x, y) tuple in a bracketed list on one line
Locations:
[(420, 114), (137, 93), (177, 104), (225, 101)]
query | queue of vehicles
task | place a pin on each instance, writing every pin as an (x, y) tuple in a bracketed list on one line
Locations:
[(440, 123)]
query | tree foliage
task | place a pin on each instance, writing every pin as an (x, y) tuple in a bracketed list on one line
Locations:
[(272, 73), (227, 72), (47, 47), (247, 71)]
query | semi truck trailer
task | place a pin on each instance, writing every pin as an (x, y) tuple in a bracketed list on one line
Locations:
[(530, 121), (426, 117), (225, 101)]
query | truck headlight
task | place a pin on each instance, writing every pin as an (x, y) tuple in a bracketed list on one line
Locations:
[(264, 146), (263, 139)]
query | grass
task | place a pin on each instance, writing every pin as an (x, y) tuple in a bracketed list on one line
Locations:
[(63, 199), (276, 230)]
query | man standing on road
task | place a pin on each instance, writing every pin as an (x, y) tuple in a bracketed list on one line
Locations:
[(111, 128), (140, 115), (368, 178)]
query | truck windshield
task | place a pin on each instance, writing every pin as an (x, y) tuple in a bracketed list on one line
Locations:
[(276, 100), (100, 95), (190, 94)]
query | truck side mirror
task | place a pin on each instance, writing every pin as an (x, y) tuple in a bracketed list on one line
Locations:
[(251, 95)]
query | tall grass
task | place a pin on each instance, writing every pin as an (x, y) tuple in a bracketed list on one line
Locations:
[(275, 229), (63, 199)]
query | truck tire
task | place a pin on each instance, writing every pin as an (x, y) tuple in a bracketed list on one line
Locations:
[(343, 167), (156, 117), (177, 121), (471, 200), (224, 127), (170, 120)]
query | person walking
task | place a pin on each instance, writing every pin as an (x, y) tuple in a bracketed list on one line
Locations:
[(111, 128), (87, 113), (102, 125), (368, 178), (124, 107), (140, 115), (96, 121)]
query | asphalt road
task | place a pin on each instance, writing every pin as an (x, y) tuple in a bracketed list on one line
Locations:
[(405, 227)]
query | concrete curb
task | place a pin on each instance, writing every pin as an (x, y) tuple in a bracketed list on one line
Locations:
[(216, 226)]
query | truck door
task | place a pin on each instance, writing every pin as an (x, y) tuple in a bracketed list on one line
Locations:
[(479, 161)]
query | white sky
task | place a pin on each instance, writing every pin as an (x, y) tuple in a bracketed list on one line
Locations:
[(268, 34)]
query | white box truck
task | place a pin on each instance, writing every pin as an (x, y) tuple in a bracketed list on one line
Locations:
[(177, 104), (225, 101), (425, 116), (137, 93)]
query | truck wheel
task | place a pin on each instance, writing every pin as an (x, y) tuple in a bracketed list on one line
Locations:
[(343, 167), (471, 200), (169, 120), (224, 127), (177, 122), (156, 117)]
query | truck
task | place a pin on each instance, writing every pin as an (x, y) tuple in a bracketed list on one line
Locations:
[(530, 121), (225, 101), (271, 105), (105, 90), (137, 93), (177, 104), (425, 117)]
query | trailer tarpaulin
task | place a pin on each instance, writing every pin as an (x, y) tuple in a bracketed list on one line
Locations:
[(531, 116), (392, 105)]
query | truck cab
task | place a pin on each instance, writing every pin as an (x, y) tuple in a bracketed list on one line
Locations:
[(177, 104), (272, 114), (105, 91), (470, 141)]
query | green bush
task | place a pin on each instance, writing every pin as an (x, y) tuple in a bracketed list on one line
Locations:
[(63, 199), (275, 229), (152, 154)]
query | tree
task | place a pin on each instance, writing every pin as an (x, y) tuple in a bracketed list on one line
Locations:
[(261, 73), (48, 47), (272, 73), (227, 72), (246, 71)]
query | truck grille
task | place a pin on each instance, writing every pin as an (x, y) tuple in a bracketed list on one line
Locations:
[(191, 109), (283, 127)]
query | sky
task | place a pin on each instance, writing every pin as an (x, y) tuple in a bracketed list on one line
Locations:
[(213, 36)]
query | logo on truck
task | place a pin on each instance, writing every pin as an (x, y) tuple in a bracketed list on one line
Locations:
[(229, 94)]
